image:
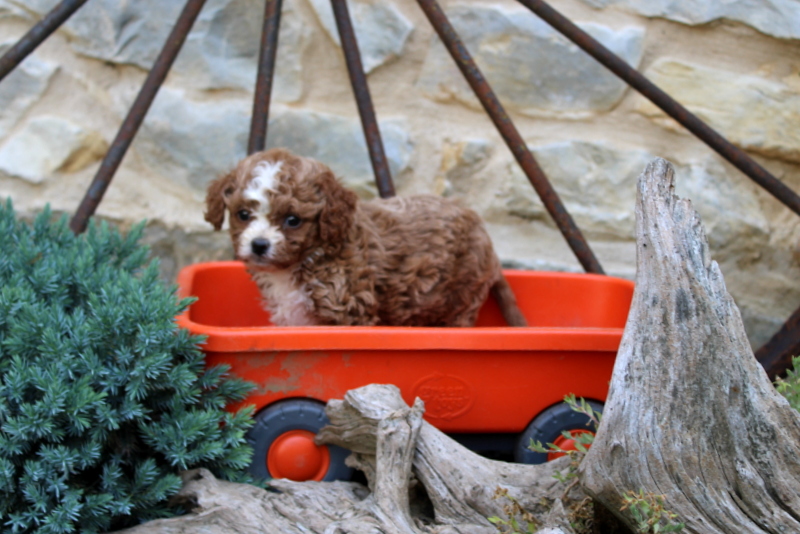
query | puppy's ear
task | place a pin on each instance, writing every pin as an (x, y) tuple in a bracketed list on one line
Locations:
[(338, 213), (218, 192)]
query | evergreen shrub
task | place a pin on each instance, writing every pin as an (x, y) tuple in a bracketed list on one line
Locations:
[(103, 400), (789, 386)]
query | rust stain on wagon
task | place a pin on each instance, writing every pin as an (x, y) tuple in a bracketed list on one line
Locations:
[(293, 368)]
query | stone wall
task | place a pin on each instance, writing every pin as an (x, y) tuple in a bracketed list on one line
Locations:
[(734, 63)]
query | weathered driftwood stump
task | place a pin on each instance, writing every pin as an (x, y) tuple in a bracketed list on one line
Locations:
[(690, 413), (419, 481)]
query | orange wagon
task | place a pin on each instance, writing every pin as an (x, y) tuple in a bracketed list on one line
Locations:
[(492, 387)]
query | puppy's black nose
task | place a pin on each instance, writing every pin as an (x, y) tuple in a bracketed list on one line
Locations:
[(260, 246)]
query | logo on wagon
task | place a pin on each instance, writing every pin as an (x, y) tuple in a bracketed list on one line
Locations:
[(446, 397)]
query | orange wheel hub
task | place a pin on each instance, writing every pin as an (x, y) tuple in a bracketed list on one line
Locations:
[(566, 444), (295, 456)]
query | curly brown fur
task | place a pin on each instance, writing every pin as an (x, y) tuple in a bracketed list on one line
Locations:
[(322, 257)]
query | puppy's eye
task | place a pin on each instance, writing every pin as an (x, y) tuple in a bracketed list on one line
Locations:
[(243, 215), (292, 221)]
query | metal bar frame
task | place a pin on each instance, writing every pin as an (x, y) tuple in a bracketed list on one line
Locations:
[(372, 133), (649, 90), (136, 115), (511, 135), (775, 355), (37, 34), (266, 70)]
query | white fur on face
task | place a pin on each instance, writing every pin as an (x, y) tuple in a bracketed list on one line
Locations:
[(263, 181)]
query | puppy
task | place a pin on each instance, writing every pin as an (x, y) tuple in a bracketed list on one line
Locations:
[(322, 257)]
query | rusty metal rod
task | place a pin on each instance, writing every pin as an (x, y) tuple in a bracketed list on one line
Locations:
[(266, 70), (383, 176), (40, 31), (511, 136), (648, 89), (136, 115), (776, 354)]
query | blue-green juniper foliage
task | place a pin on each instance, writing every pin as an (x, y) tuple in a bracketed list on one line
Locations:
[(103, 400)]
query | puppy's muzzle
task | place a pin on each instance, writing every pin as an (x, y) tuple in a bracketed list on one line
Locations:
[(260, 247)]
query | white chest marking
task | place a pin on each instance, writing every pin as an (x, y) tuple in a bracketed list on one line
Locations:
[(288, 304)]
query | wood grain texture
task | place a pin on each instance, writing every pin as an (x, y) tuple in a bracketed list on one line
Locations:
[(690, 412)]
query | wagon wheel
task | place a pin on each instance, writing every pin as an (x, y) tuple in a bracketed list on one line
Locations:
[(547, 427), (283, 444)]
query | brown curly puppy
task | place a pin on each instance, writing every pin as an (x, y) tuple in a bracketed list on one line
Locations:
[(322, 257)]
